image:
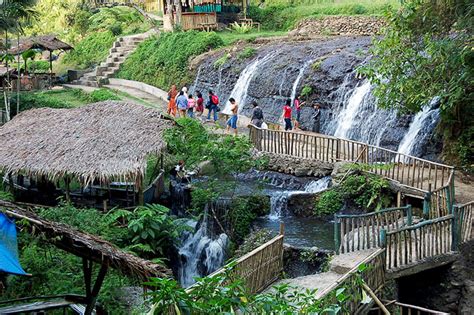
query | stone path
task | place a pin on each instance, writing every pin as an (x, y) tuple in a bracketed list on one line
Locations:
[(338, 267)]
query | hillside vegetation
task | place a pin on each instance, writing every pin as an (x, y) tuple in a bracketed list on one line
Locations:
[(163, 61), (284, 14)]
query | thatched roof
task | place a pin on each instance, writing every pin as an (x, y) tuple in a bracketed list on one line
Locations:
[(45, 42), (107, 141), (86, 245)]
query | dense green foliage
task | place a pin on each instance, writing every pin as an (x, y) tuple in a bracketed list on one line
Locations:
[(223, 294), (252, 241), (243, 212), (362, 191), (426, 52), (152, 231), (283, 15), (163, 61), (91, 50)]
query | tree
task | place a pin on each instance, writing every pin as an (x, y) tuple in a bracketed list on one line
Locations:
[(14, 14), (426, 52)]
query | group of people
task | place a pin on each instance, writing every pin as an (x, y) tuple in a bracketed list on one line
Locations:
[(287, 114), (183, 105)]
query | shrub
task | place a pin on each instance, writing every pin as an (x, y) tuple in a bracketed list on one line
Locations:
[(221, 61), (103, 95), (329, 202), (167, 57), (248, 52), (242, 213), (91, 50)]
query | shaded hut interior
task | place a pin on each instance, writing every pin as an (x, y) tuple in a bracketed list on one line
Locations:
[(100, 155)]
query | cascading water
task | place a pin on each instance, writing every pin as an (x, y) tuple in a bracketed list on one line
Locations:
[(239, 92), (192, 90), (298, 79), (423, 124), (200, 253), (279, 199)]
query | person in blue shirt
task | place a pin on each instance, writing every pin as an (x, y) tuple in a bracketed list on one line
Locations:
[(182, 104)]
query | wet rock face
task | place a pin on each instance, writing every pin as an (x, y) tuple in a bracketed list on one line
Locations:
[(327, 63)]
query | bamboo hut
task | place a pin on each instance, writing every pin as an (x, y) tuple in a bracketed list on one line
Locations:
[(97, 144), (91, 248)]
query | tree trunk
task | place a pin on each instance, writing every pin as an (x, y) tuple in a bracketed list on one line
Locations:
[(18, 82), (5, 91)]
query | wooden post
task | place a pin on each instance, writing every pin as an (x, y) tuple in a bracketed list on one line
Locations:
[(337, 235), (383, 238), (11, 185), (409, 215), (399, 199), (141, 198), (282, 228), (67, 182), (91, 300), (454, 230), (427, 203), (161, 161), (105, 204)]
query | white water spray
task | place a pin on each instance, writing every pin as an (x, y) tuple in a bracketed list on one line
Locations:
[(298, 79)]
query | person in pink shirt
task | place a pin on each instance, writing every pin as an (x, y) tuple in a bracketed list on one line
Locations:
[(287, 115), (298, 104), (191, 105)]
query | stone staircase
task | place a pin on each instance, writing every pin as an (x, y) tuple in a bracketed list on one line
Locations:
[(121, 49)]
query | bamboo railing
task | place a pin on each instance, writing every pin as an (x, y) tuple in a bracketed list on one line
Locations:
[(415, 310), (360, 232), (463, 215), (260, 267), (412, 172), (373, 276), (412, 244)]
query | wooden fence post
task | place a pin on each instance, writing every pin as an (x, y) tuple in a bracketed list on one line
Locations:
[(427, 203), (337, 235), (450, 195), (454, 230), (282, 228), (383, 238), (409, 215)]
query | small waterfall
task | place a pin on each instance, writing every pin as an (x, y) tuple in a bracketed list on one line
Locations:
[(423, 124), (298, 79), (200, 253), (239, 92), (192, 90), (348, 115), (279, 199)]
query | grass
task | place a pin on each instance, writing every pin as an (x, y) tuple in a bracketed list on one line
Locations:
[(284, 15), (230, 38)]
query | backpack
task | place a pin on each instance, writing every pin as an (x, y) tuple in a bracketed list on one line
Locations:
[(215, 100)]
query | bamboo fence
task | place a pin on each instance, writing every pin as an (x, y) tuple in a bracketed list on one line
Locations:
[(409, 171), (412, 244), (374, 277), (360, 232), (463, 221)]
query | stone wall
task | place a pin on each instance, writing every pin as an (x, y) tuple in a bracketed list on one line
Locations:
[(295, 166), (339, 25)]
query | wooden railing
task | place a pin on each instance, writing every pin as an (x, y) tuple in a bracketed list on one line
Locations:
[(373, 276), (260, 267), (360, 232), (463, 216), (415, 310), (409, 171), (414, 243)]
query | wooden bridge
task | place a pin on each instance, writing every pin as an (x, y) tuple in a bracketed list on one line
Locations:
[(390, 243)]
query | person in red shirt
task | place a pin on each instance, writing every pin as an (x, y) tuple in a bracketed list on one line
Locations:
[(287, 115), (200, 103)]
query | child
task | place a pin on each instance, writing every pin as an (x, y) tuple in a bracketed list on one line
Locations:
[(200, 103), (191, 106)]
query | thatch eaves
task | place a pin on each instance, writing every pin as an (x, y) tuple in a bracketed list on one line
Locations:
[(86, 245), (103, 141), (45, 42)]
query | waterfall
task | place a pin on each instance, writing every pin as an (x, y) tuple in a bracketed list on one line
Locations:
[(192, 90), (423, 124), (298, 79), (200, 254), (279, 199), (353, 107), (239, 92)]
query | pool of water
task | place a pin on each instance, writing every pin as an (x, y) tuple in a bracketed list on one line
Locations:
[(302, 232)]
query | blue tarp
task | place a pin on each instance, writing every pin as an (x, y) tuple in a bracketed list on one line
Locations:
[(8, 247)]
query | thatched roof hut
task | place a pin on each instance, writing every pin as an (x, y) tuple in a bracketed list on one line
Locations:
[(45, 42), (86, 245), (103, 141)]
